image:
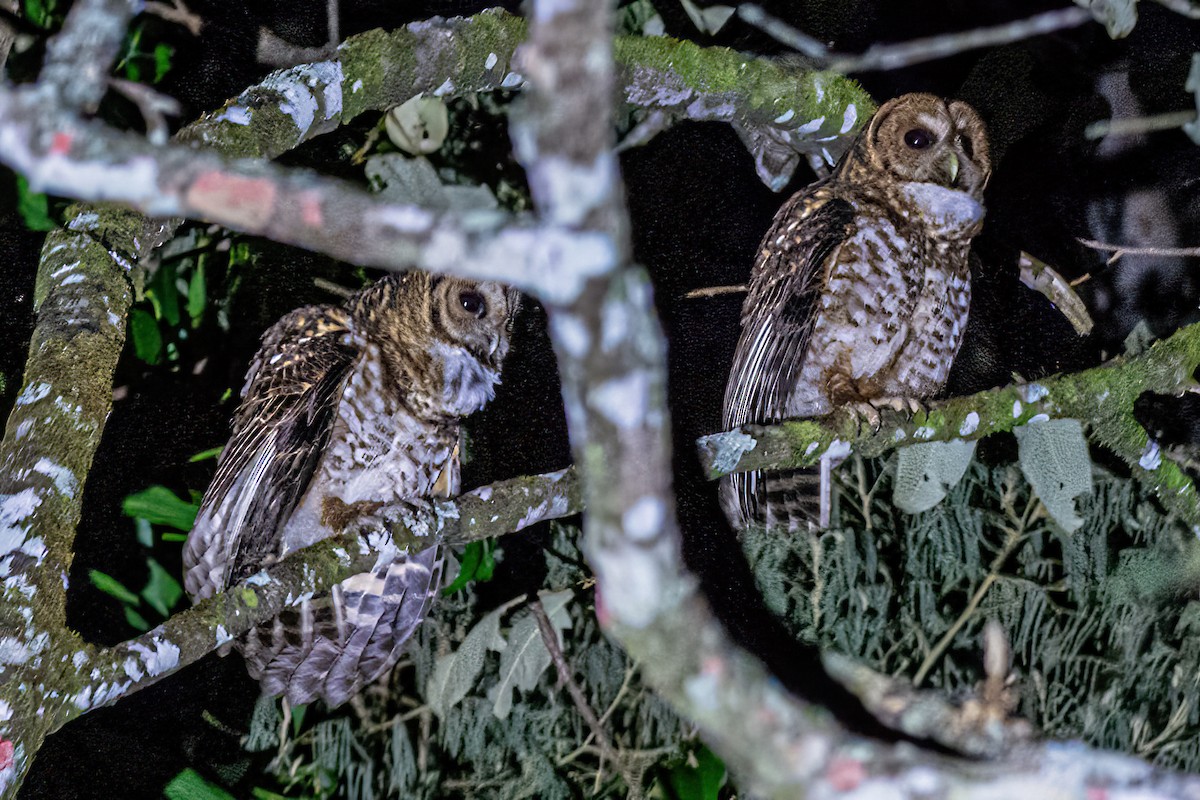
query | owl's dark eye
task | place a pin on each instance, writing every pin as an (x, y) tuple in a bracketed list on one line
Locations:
[(918, 138), (473, 303)]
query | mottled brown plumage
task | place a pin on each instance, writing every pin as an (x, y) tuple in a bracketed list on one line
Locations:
[(349, 418), (860, 291)]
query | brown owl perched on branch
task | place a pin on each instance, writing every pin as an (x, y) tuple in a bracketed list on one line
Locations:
[(860, 292), (349, 417)]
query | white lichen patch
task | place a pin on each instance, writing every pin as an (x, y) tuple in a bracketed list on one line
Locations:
[(79, 659), (33, 393), (838, 450), (643, 519), (5, 711), (1034, 392), (1038, 418), (1151, 456), (73, 279), (1017, 408), (785, 116), (64, 480), (223, 636), (446, 88), (490, 61), (728, 449), (923, 432), (356, 87), (623, 401), (812, 448), (899, 435), (703, 690), (630, 579), (970, 424), (87, 221), (812, 126), (13, 651), (234, 115), (849, 118), (65, 269), (163, 657), (570, 191), (570, 333), (512, 80), (614, 324), (15, 509)]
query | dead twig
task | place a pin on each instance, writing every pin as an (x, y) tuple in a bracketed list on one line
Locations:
[(550, 639), (1135, 125), (916, 51), (178, 13), (1126, 250), (154, 107), (715, 291)]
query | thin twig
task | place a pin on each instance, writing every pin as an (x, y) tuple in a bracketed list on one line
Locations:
[(916, 51), (1183, 7), (1134, 125), (715, 291), (178, 13), (1120, 249), (154, 106), (333, 288), (550, 639)]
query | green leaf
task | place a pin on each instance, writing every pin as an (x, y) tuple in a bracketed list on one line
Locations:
[(147, 340), (926, 471), (1054, 457), (34, 207), (471, 558), (37, 12), (164, 294), (112, 587), (189, 785), (455, 674), (204, 455), (197, 296), (298, 713), (163, 53), (162, 591), (136, 620), (699, 778), (525, 657), (161, 506), (174, 537)]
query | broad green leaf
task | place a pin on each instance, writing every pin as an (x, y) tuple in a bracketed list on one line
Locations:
[(147, 340), (699, 778), (1054, 457), (478, 564), (174, 537), (454, 674), (136, 620), (161, 506), (112, 587), (189, 785), (197, 296), (164, 294), (34, 207), (37, 12), (525, 658), (162, 591), (926, 471), (163, 53)]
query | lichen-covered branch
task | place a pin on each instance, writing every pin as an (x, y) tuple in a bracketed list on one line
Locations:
[(85, 677), (1102, 398)]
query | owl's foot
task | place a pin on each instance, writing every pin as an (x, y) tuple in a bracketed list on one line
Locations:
[(417, 515), (868, 410)]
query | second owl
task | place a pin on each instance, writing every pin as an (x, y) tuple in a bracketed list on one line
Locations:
[(860, 291)]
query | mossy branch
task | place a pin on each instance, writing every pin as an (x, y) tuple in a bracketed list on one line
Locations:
[(1101, 398)]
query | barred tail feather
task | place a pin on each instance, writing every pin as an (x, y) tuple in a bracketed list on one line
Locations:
[(335, 645)]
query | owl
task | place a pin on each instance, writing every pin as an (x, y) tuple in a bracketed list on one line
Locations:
[(349, 419), (860, 291)]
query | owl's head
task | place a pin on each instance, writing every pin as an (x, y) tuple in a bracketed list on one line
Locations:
[(443, 340), (921, 138)]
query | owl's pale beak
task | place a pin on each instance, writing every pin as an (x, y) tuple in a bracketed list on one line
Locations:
[(952, 168)]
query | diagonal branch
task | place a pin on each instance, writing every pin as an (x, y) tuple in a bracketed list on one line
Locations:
[(1102, 398)]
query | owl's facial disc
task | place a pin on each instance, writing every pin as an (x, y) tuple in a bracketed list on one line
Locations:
[(922, 138), (473, 322)]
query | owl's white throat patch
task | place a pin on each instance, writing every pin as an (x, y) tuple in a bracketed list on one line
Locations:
[(467, 385), (947, 211)]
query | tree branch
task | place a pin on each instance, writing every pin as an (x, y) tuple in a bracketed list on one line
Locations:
[(1102, 398)]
